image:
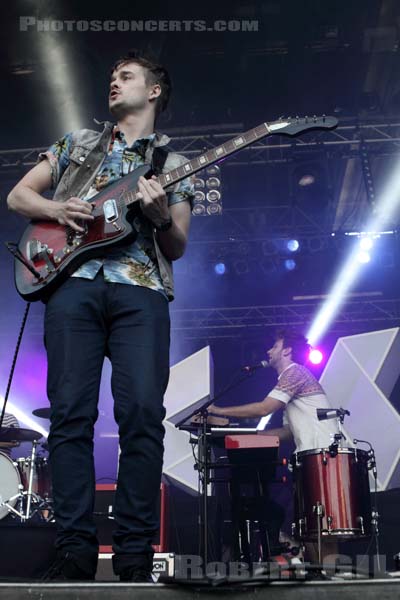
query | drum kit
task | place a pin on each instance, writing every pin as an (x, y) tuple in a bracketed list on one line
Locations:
[(25, 484), (332, 488)]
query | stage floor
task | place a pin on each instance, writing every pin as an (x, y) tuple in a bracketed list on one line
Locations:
[(384, 589)]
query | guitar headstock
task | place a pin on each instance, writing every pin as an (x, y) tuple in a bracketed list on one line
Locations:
[(294, 125)]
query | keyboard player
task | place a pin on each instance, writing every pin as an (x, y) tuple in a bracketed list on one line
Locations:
[(297, 392)]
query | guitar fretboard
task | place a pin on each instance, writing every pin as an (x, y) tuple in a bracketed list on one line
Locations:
[(207, 158)]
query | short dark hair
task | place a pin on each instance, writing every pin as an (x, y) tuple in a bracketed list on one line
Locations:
[(297, 342), (155, 73)]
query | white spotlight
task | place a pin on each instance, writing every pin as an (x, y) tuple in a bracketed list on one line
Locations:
[(337, 294), (366, 243), (62, 84), (382, 221), (363, 257)]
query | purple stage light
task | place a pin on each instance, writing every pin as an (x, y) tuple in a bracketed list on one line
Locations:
[(315, 357)]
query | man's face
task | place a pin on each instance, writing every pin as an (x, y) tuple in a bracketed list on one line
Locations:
[(275, 353), (129, 91)]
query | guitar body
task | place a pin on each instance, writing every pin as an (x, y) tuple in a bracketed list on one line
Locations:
[(55, 251)]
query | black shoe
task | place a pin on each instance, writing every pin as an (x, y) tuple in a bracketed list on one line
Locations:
[(136, 575), (66, 568), (134, 567)]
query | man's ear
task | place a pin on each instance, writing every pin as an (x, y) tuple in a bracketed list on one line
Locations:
[(286, 351), (155, 91)]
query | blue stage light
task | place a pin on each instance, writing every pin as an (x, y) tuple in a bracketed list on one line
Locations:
[(290, 264), (220, 268)]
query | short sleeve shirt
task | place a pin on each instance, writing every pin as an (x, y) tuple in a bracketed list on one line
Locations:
[(302, 394), (134, 264)]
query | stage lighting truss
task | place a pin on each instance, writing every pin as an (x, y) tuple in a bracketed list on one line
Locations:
[(208, 195)]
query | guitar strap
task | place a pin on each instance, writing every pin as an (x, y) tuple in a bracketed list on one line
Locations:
[(158, 159)]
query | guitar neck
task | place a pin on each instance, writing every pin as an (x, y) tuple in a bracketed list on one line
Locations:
[(290, 127), (210, 157)]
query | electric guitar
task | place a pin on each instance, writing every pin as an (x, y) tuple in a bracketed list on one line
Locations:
[(48, 252)]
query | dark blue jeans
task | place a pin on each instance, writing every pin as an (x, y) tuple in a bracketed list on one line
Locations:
[(86, 321)]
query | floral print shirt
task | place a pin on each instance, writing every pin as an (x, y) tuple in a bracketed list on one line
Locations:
[(135, 264)]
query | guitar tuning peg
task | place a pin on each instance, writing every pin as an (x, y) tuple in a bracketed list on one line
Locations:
[(306, 119), (315, 118), (297, 118)]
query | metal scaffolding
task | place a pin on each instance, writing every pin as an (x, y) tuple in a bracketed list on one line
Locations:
[(210, 323), (381, 137), (248, 321)]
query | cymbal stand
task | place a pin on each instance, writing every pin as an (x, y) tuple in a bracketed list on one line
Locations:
[(30, 482)]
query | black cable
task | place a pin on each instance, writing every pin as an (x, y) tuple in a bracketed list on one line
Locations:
[(10, 378)]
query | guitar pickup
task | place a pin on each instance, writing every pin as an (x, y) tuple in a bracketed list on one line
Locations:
[(34, 248), (36, 251), (110, 210)]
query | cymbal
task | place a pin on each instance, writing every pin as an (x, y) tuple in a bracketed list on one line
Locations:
[(18, 434), (43, 413)]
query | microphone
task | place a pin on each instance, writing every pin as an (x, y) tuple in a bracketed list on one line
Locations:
[(261, 365), (331, 413)]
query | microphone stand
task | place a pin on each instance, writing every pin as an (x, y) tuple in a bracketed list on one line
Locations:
[(203, 457)]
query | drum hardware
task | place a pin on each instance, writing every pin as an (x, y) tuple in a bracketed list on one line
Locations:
[(22, 477), (336, 444), (375, 522), (320, 512), (301, 524), (338, 414), (30, 483), (329, 521), (361, 521)]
